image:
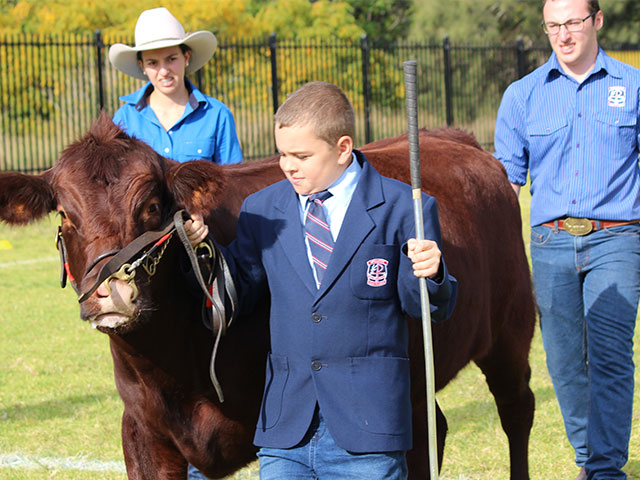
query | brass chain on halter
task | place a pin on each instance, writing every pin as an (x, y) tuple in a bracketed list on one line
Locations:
[(149, 262)]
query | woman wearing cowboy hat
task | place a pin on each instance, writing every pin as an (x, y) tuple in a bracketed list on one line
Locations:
[(169, 112)]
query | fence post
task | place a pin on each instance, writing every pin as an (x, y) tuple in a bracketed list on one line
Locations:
[(446, 50), (274, 71), (366, 87), (274, 77), (99, 48), (521, 58), (199, 80)]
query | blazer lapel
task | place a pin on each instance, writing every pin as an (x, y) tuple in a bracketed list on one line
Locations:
[(291, 238), (357, 224)]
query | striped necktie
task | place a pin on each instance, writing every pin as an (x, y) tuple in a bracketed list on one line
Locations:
[(316, 229)]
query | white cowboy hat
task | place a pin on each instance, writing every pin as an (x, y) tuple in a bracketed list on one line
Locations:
[(157, 28)]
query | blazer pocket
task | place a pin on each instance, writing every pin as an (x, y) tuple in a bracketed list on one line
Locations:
[(275, 381), (380, 392), (374, 272)]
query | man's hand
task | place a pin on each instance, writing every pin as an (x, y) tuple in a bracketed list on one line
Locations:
[(425, 256)]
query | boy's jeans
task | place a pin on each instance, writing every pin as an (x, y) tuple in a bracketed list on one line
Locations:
[(319, 457)]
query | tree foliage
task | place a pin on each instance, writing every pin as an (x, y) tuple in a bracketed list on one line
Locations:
[(226, 18), (383, 20), (504, 21), (36, 75), (302, 19), (621, 21)]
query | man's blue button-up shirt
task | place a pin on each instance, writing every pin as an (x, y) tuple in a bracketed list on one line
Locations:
[(206, 129), (579, 141)]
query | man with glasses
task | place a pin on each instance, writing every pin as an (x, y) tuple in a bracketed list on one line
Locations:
[(573, 125)]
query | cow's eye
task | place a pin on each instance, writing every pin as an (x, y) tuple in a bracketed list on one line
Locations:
[(149, 214)]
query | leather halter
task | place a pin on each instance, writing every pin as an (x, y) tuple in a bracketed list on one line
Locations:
[(219, 286)]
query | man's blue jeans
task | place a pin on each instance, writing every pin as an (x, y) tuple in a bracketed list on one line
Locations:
[(319, 457), (587, 289)]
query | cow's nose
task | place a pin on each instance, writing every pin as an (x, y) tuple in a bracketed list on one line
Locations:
[(119, 290), (102, 291)]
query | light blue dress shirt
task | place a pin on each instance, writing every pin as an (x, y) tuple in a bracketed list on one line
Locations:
[(579, 141), (206, 129), (336, 205)]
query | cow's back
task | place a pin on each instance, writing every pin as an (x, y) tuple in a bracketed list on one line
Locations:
[(481, 242)]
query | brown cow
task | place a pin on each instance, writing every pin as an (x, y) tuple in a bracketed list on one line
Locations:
[(109, 188)]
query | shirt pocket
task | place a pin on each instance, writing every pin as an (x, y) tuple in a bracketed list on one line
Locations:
[(197, 149), (548, 127), (374, 272), (617, 129), (545, 135), (617, 118)]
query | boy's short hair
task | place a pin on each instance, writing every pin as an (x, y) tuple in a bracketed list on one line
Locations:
[(323, 106)]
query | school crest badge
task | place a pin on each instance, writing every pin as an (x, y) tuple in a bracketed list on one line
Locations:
[(377, 272), (617, 96)]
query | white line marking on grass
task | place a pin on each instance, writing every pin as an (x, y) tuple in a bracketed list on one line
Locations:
[(28, 262), (20, 461)]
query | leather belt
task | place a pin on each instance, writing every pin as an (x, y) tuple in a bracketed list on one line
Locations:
[(584, 226)]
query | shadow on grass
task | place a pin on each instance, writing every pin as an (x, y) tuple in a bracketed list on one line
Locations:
[(477, 408), (55, 408)]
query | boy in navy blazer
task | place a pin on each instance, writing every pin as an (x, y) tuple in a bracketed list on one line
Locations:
[(336, 402)]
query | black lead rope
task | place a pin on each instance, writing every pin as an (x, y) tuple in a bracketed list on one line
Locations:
[(64, 271), (221, 283)]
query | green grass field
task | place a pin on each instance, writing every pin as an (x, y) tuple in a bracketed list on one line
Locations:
[(60, 413)]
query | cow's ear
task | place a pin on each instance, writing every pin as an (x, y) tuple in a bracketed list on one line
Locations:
[(196, 185), (25, 198)]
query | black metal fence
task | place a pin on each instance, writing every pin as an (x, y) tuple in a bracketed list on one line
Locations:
[(51, 88)]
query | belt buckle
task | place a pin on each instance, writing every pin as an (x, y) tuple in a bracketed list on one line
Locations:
[(578, 226)]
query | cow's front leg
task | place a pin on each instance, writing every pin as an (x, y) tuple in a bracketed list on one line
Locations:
[(148, 457)]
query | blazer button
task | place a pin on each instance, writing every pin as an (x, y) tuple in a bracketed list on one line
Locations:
[(316, 365), (316, 317)]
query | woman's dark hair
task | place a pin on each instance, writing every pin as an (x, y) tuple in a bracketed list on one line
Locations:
[(183, 47)]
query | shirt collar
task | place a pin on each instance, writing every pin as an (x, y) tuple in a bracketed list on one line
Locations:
[(343, 188), (139, 97), (603, 62)]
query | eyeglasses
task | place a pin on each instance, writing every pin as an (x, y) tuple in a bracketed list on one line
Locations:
[(573, 25)]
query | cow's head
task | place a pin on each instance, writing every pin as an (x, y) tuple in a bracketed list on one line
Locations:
[(108, 189)]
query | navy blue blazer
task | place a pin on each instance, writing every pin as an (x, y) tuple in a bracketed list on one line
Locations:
[(344, 346)]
